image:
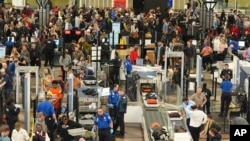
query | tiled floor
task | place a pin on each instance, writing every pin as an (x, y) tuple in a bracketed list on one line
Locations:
[(132, 134), (136, 134)]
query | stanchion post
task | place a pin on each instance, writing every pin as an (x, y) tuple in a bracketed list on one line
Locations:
[(224, 122), (213, 82), (77, 108), (113, 39), (195, 86), (248, 111), (1, 105), (187, 85), (215, 89)]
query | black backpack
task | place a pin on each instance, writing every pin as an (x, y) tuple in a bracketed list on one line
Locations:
[(151, 96)]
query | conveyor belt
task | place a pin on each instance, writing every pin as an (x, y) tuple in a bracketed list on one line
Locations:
[(153, 116)]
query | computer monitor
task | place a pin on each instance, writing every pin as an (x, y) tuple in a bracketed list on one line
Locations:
[(194, 42), (12, 39), (57, 42), (2, 51), (241, 43), (139, 62)]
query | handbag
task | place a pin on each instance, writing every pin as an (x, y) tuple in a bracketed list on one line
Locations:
[(148, 35), (203, 133), (135, 35)]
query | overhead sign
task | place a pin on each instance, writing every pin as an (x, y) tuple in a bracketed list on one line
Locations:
[(170, 3), (67, 32), (19, 3), (120, 3)]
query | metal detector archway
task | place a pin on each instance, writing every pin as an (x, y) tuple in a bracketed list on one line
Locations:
[(26, 105), (26, 69), (170, 54)]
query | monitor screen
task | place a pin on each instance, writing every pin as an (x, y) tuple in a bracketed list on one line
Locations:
[(2, 51), (12, 39), (194, 42), (57, 42), (241, 43)]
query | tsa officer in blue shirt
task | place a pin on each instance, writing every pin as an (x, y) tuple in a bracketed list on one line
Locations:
[(186, 102), (226, 97), (113, 100), (47, 108), (104, 124), (121, 110), (128, 65)]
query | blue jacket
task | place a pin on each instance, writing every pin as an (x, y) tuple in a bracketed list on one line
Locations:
[(122, 104), (235, 44), (128, 65), (12, 69), (112, 14), (226, 86), (103, 121), (113, 98)]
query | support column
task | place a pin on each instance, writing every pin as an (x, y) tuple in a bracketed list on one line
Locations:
[(27, 102), (70, 95)]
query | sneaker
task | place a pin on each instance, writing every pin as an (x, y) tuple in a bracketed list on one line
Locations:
[(119, 135)]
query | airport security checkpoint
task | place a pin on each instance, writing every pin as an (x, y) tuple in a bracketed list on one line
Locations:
[(84, 72)]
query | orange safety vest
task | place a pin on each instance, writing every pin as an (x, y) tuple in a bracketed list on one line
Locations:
[(56, 91)]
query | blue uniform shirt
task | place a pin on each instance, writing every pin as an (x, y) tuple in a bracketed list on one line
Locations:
[(184, 106), (103, 122), (128, 65), (122, 104), (113, 97), (226, 86), (46, 107), (235, 44)]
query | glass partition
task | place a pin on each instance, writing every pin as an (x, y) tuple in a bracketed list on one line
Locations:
[(173, 94)]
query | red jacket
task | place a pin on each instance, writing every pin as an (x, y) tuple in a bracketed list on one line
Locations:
[(234, 31), (133, 56), (248, 29)]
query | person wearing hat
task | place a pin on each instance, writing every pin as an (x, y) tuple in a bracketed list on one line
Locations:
[(64, 126)]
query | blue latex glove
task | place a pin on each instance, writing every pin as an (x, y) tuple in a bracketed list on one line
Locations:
[(111, 131), (56, 122), (110, 105)]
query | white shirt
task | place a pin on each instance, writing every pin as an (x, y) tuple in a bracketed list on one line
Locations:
[(216, 43), (197, 117), (134, 29), (20, 135), (77, 22), (47, 137)]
